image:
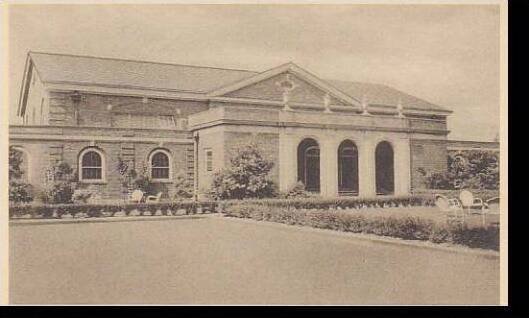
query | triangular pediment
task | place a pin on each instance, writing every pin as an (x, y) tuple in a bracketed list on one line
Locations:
[(302, 87)]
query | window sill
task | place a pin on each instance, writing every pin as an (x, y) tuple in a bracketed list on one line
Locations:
[(161, 181), (93, 181)]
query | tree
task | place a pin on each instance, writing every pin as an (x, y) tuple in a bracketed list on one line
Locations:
[(15, 163), (19, 191), (246, 176)]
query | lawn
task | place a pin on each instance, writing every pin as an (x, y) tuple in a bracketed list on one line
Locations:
[(217, 260)]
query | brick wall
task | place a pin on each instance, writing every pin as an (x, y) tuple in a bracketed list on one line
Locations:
[(428, 155), (268, 142), (93, 110), (42, 155)]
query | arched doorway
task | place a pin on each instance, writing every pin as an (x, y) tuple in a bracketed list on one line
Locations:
[(385, 179), (347, 168), (309, 164)]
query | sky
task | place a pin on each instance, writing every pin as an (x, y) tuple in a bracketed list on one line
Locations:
[(445, 54)]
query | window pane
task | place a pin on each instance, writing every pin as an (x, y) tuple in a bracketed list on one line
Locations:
[(91, 173), (160, 159), (160, 173), (91, 159)]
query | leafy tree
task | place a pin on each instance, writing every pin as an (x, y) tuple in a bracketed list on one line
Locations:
[(19, 191), (246, 176), (468, 169), (15, 163), (61, 185), (183, 188)]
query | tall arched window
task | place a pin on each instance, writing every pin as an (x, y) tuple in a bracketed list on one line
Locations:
[(160, 165), (92, 165), (347, 168), (309, 164), (384, 168)]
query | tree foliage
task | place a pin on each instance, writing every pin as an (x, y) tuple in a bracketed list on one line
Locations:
[(19, 190), (468, 170), (246, 176)]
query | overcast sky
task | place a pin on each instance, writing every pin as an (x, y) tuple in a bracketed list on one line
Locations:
[(446, 54)]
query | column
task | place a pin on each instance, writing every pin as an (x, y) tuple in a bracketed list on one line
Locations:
[(328, 167), (366, 167), (402, 164), (287, 161)]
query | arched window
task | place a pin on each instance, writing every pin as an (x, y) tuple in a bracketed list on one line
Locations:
[(160, 165), (385, 183), (92, 165), (309, 164), (347, 168)]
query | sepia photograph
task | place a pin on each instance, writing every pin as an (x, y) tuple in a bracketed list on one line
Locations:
[(255, 153)]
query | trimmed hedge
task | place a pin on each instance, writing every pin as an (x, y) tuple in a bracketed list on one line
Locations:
[(101, 210), (478, 193), (340, 203), (404, 227)]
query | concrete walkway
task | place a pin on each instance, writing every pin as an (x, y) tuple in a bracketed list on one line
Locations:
[(217, 260)]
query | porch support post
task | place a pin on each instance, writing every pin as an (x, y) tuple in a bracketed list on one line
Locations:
[(329, 167), (287, 161), (402, 166), (366, 167)]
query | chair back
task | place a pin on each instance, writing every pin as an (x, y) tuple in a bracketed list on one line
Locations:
[(466, 197), (136, 195), (442, 202)]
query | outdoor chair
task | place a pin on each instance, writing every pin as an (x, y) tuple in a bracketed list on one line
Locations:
[(136, 196), (154, 198), (493, 203), (473, 205), (470, 202), (452, 207)]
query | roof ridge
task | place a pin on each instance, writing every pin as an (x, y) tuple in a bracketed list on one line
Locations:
[(139, 61)]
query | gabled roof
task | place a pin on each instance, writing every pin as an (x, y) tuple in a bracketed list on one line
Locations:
[(379, 94), (72, 69), (290, 68), (209, 81)]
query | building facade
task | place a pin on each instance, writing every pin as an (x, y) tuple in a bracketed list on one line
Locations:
[(177, 121)]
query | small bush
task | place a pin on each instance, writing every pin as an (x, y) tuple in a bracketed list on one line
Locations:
[(20, 192)]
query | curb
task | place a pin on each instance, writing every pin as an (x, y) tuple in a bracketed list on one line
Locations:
[(379, 239), (26, 222)]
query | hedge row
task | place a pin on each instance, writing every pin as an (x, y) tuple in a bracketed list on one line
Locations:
[(478, 193), (340, 203), (405, 227), (99, 210)]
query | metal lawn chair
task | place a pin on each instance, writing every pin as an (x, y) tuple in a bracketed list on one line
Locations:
[(452, 207), (473, 205), (136, 196), (154, 198)]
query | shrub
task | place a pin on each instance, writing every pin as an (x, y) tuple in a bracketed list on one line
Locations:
[(297, 191), (245, 177), (467, 169), (20, 192), (407, 227), (183, 187), (61, 186)]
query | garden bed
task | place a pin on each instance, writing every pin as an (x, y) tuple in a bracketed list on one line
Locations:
[(401, 225), (110, 210)]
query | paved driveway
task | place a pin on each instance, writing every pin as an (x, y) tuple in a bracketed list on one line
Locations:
[(217, 260)]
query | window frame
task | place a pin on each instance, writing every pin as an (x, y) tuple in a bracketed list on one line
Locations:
[(170, 167), (103, 166), (208, 162)]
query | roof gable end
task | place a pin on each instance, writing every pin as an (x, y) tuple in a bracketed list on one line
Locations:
[(307, 88)]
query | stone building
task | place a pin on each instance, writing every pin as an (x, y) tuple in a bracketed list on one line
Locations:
[(337, 137)]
